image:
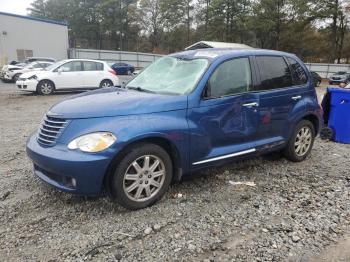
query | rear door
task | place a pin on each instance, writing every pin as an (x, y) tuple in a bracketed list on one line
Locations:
[(225, 124), (283, 85), (92, 74)]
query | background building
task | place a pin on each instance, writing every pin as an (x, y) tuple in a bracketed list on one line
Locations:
[(24, 36)]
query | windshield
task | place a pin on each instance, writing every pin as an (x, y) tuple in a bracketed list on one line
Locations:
[(54, 65), (30, 65), (170, 75)]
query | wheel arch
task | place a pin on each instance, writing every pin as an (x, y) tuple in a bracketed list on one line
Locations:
[(314, 120), (165, 143)]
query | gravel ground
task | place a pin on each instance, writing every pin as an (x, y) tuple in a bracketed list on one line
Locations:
[(296, 211)]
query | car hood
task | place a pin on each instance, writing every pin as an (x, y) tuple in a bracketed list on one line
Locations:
[(37, 72), (13, 67), (116, 102)]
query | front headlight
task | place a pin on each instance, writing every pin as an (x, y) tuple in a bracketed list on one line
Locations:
[(33, 77), (93, 142)]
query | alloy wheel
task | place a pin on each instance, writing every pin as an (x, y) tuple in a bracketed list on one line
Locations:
[(106, 84), (303, 141), (46, 88), (144, 178)]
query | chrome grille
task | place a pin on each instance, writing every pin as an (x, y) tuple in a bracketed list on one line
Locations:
[(50, 129)]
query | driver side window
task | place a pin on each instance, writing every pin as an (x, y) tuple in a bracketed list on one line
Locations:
[(71, 66), (230, 78)]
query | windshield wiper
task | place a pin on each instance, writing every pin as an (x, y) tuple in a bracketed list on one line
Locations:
[(140, 89)]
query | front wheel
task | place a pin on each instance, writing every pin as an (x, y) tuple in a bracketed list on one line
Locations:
[(301, 142), (142, 177), (45, 87)]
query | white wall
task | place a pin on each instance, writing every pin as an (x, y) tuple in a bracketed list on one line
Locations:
[(45, 39)]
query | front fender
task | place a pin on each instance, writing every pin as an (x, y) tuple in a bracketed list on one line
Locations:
[(171, 126)]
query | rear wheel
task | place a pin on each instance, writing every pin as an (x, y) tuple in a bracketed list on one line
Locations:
[(45, 87), (106, 83), (142, 177), (301, 142)]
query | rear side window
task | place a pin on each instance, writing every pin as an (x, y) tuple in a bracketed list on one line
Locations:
[(298, 73), (93, 66), (274, 72), (229, 78)]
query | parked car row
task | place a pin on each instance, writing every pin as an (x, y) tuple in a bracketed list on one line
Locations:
[(69, 74), (42, 75), (12, 71)]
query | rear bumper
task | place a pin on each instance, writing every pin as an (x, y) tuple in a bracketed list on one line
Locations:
[(68, 170)]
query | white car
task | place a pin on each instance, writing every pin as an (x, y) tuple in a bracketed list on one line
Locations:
[(70, 74), (7, 68), (12, 73)]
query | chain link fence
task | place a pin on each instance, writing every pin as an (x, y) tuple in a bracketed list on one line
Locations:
[(137, 59)]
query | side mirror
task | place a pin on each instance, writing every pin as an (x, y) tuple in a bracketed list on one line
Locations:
[(60, 70)]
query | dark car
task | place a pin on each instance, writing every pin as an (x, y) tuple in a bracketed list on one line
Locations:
[(187, 111), (123, 68), (339, 77), (316, 77)]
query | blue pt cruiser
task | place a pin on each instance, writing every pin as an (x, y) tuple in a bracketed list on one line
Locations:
[(186, 111)]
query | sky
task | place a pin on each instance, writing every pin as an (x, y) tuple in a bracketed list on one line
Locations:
[(15, 6)]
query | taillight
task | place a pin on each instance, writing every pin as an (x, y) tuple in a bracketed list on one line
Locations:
[(112, 72)]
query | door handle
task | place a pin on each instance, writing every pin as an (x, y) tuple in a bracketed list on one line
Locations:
[(254, 104), (296, 97)]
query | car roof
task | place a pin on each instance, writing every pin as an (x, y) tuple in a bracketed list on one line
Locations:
[(86, 60), (216, 53)]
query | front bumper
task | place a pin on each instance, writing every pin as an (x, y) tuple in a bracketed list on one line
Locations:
[(7, 76), (68, 170), (27, 85)]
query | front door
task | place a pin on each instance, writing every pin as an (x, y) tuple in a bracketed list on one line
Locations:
[(225, 123), (69, 75)]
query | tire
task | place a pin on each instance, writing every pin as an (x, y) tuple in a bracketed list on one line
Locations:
[(106, 83), (304, 132), (15, 77), (326, 133), (144, 190), (45, 87)]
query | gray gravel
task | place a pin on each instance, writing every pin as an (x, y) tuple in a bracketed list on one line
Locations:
[(294, 212)]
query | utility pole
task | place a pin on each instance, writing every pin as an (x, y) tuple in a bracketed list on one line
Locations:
[(121, 26)]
